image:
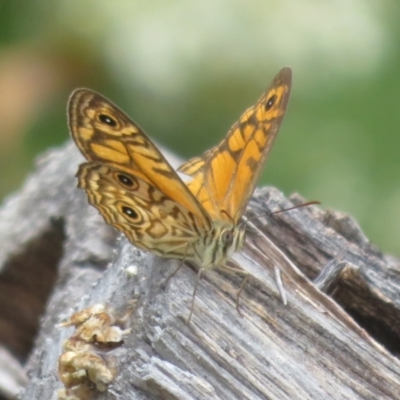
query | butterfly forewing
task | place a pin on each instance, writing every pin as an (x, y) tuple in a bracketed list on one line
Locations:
[(224, 178), (106, 135)]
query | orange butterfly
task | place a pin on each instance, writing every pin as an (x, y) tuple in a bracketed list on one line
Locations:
[(138, 192)]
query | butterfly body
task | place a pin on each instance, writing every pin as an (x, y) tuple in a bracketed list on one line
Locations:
[(137, 191), (218, 245)]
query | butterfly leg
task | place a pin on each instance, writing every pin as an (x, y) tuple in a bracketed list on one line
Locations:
[(194, 294), (173, 273), (176, 271), (245, 279), (278, 280)]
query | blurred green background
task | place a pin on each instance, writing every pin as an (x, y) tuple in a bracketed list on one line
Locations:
[(185, 71)]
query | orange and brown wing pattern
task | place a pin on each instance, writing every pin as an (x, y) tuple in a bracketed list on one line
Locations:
[(224, 178), (148, 218), (105, 134)]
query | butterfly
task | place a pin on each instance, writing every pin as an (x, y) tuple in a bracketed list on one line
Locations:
[(137, 191)]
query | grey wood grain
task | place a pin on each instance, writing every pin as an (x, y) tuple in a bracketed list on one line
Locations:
[(337, 338)]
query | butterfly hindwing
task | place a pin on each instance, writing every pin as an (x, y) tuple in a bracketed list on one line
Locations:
[(146, 216)]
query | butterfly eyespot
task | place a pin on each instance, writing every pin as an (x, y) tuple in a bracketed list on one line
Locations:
[(106, 119), (270, 102), (130, 212), (125, 180)]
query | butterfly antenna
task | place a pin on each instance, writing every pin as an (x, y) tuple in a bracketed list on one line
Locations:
[(309, 203)]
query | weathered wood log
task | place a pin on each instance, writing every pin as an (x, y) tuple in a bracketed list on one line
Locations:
[(337, 337)]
